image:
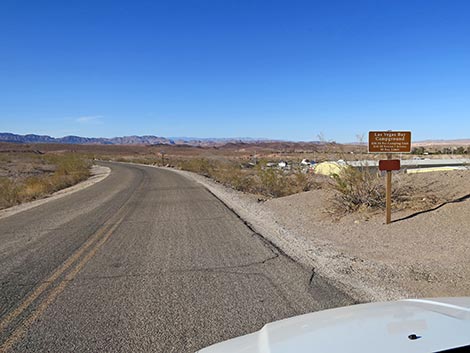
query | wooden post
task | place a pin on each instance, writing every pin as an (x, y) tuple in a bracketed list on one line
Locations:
[(389, 142), (388, 195)]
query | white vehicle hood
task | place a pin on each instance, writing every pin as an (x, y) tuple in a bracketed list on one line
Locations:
[(439, 324)]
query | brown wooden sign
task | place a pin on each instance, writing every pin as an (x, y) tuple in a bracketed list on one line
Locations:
[(389, 141), (389, 164)]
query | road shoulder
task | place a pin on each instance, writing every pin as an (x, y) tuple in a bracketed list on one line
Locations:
[(326, 262), (423, 256)]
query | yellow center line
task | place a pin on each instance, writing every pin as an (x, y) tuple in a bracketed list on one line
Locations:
[(46, 283), (52, 295)]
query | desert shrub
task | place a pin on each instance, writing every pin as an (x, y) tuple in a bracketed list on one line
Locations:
[(233, 176), (73, 165), (304, 182), (4, 158), (8, 193), (273, 183), (68, 170), (138, 160), (242, 182), (358, 187), (35, 187), (277, 183), (268, 182), (198, 165)]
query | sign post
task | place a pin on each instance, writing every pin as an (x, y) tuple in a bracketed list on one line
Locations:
[(388, 193), (388, 142)]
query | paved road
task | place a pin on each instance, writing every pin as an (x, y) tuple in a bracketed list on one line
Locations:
[(144, 261)]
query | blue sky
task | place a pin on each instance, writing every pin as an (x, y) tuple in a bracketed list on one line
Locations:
[(275, 69)]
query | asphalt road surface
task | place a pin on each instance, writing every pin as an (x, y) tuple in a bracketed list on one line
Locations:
[(144, 261)]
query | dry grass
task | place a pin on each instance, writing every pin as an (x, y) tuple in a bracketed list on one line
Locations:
[(29, 177)]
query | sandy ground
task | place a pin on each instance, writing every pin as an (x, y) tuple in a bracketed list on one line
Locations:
[(421, 254), (98, 173)]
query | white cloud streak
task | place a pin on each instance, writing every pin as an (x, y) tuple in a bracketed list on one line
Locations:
[(89, 119)]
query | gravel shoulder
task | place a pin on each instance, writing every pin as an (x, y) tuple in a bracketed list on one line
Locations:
[(421, 254), (98, 173)]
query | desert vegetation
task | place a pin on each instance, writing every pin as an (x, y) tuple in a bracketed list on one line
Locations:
[(29, 176), (250, 168), (454, 150), (364, 189), (258, 179), (352, 190)]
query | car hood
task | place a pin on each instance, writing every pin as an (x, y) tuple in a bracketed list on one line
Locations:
[(439, 324)]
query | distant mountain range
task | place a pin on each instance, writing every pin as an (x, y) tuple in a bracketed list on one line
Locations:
[(156, 140), (124, 140)]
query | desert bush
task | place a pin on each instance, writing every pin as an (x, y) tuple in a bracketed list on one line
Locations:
[(72, 165), (304, 182), (233, 176), (262, 181), (273, 183), (8, 193), (198, 165), (35, 187), (69, 169), (358, 187), (148, 160), (4, 158)]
